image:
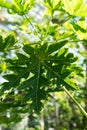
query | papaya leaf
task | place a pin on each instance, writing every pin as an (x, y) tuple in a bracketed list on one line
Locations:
[(1, 44), (54, 47), (12, 81), (18, 5), (78, 28), (9, 41), (5, 4), (28, 5), (28, 49)]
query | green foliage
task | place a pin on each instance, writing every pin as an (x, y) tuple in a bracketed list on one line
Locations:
[(45, 65), (38, 68), (18, 6), (6, 43), (78, 7)]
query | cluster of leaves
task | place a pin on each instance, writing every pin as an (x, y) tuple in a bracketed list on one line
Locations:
[(34, 72), (17, 6), (45, 66)]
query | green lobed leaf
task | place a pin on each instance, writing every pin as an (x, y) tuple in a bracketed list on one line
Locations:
[(12, 81), (77, 28), (55, 46), (5, 4), (9, 41), (17, 5), (6, 43), (1, 44), (22, 59), (28, 49), (28, 4)]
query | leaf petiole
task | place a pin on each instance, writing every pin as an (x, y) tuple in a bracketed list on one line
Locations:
[(74, 100)]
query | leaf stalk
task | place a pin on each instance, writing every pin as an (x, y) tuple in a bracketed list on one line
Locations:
[(74, 100)]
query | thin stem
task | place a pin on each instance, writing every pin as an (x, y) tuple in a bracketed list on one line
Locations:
[(73, 99), (32, 26)]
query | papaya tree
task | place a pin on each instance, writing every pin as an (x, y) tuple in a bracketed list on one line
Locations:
[(36, 59)]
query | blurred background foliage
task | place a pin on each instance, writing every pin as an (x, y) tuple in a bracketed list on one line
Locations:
[(51, 30)]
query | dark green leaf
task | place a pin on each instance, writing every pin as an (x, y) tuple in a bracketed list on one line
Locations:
[(28, 49), (78, 28), (9, 41), (55, 46), (1, 44)]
